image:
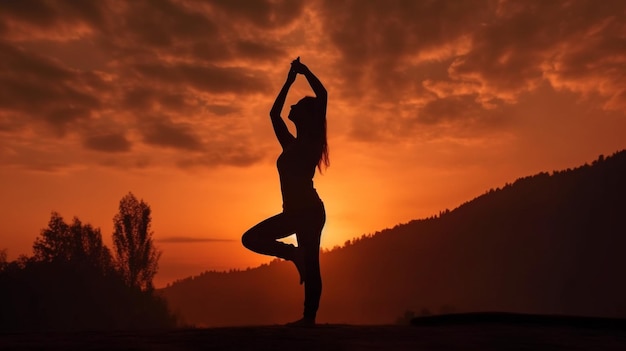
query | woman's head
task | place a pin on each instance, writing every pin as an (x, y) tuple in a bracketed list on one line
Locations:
[(309, 116)]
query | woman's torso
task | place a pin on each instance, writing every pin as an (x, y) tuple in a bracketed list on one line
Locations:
[(296, 168)]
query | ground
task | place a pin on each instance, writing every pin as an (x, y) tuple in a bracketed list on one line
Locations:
[(485, 336)]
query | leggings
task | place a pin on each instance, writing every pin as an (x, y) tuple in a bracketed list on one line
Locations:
[(307, 224)]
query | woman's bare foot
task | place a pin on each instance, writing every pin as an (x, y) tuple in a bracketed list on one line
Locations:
[(304, 322)]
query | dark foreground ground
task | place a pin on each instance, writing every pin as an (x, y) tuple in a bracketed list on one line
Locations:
[(457, 333)]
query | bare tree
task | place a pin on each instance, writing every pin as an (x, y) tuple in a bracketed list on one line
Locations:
[(136, 256)]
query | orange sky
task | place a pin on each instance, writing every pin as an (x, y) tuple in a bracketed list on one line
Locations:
[(430, 105)]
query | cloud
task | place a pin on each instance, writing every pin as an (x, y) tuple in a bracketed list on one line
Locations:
[(83, 72), (40, 155), (143, 59), (206, 78), (440, 53), (167, 134), (237, 155), (108, 143), (572, 45), (376, 38), (265, 14), (506, 46), (162, 23), (39, 89), (259, 51), (188, 240), (58, 20)]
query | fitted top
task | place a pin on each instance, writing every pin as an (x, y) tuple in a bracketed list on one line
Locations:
[(296, 168)]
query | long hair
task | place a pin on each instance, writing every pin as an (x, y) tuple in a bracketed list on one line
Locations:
[(318, 128), (324, 160)]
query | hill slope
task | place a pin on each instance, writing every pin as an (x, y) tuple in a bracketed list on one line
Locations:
[(551, 244)]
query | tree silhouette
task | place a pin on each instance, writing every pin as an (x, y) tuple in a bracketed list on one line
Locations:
[(77, 243), (72, 283), (3, 259), (136, 257)]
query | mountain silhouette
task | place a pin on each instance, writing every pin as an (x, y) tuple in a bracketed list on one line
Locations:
[(548, 244)]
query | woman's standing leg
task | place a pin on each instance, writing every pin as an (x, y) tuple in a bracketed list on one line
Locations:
[(309, 244), (312, 275)]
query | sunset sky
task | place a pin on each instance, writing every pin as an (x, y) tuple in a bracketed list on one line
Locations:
[(431, 103)]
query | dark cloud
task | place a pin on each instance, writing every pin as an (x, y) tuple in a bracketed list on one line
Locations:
[(263, 13), (91, 56), (129, 162), (259, 51), (28, 65), (42, 13), (84, 67), (9, 123), (209, 78), (168, 134), (199, 31), (111, 142), (227, 140), (507, 46), (140, 98), (523, 42), (37, 88), (50, 18), (391, 30), (376, 37), (460, 110), (491, 52), (189, 240), (4, 29), (175, 101), (146, 99), (163, 23), (222, 110), (89, 69), (209, 50), (38, 156), (62, 117), (224, 155)]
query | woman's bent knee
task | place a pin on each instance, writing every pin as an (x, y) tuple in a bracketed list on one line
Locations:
[(248, 241)]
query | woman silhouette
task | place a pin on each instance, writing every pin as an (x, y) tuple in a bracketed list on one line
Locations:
[(303, 211)]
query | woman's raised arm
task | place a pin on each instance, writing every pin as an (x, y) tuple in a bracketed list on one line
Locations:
[(314, 82), (280, 128)]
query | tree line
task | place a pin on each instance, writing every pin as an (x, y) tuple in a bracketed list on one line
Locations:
[(75, 282)]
